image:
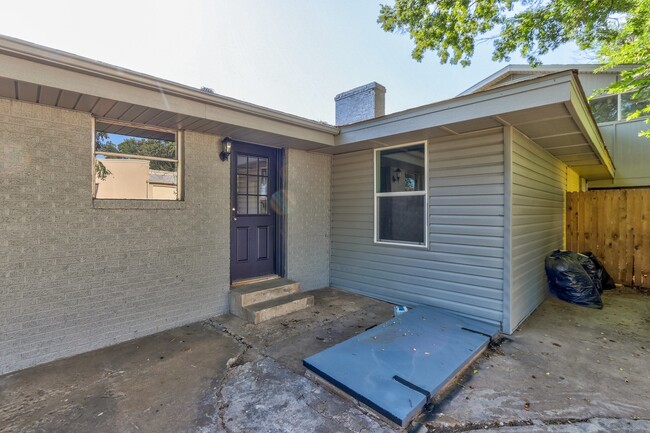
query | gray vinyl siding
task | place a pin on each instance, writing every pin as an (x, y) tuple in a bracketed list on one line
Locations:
[(628, 151), (462, 268), (591, 82), (538, 194)]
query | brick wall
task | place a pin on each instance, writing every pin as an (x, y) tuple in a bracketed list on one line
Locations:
[(77, 275), (308, 218)]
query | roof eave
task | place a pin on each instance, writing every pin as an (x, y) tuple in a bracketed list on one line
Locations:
[(558, 90), (59, 60), (579, 108)]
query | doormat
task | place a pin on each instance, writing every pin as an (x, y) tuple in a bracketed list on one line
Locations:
[(396, 367)]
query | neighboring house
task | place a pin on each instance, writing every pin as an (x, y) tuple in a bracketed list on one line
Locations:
[(453, 204), (630, 152), (133, 179)]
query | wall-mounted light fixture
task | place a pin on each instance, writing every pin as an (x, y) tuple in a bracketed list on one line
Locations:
[(226, 148), (397, 175)]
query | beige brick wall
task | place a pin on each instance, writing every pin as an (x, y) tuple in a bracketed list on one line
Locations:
[(74, 275), (308, 218)]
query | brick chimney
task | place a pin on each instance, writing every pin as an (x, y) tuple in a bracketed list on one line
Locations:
[(361, 103)]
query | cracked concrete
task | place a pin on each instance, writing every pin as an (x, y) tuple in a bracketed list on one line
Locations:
[(568, 370), (564, 363), (596, 425), (262, 395), (133, 386)]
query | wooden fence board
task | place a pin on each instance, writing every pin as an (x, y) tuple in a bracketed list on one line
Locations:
[(634, 200), (615, 226), (641, 265), (620, 242), (629, 243), (583, 231)]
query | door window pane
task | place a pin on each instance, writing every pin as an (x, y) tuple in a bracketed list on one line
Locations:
[(241, 184), (264, 166), (263, 183), (252, 184), (252, 165), (242, 164), (263, 206), (242, 209), (252, 204)]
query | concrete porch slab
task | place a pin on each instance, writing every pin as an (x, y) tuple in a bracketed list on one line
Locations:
[(164, 382), (225, 375)]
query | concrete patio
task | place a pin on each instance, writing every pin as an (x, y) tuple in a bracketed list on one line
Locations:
[(568, 369)]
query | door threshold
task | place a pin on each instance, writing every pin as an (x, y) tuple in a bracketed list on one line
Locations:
[(254, 280)]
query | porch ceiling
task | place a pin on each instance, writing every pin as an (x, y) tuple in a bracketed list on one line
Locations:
[(551, 110), (37, 74)]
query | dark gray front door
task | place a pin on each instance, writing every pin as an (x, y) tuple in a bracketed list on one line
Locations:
[(253, 231)]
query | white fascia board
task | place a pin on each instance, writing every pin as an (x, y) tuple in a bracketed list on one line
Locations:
[(484, 82), (547, 90), (28, 62), (548, 69), (581, 112)]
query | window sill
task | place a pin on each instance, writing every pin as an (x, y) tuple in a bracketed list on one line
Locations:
[(622, 121), (402, 245), (139, 204)]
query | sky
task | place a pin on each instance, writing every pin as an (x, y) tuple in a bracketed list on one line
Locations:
[(290, 55)]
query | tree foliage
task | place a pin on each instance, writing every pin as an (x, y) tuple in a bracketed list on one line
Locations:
[(618, 31), (631, 46), (452, 28), (139, 146)]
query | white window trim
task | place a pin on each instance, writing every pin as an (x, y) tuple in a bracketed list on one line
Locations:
[(425, 193), (178, 160)]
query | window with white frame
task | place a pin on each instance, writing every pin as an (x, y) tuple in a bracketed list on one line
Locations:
[(616, 108), (137, 162), (400, 195)]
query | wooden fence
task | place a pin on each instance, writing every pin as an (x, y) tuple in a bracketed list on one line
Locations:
[(615, 226)]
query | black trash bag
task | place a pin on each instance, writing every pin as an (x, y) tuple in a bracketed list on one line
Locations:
[(569, 281), (595, 272), (606, 280)]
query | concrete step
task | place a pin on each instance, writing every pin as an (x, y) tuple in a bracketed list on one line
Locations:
[(263, 311), (254, 293), (243, 296)]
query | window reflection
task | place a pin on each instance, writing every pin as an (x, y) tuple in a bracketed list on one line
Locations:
[(252, 185)]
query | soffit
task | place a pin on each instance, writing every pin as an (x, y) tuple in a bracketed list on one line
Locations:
[(41, 75), (550, 110)]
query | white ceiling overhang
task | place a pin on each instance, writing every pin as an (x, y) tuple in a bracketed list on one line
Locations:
[(37, 74), (551, 110)]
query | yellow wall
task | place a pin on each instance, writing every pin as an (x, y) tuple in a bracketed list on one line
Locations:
[(572, 180), (573, 184)]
